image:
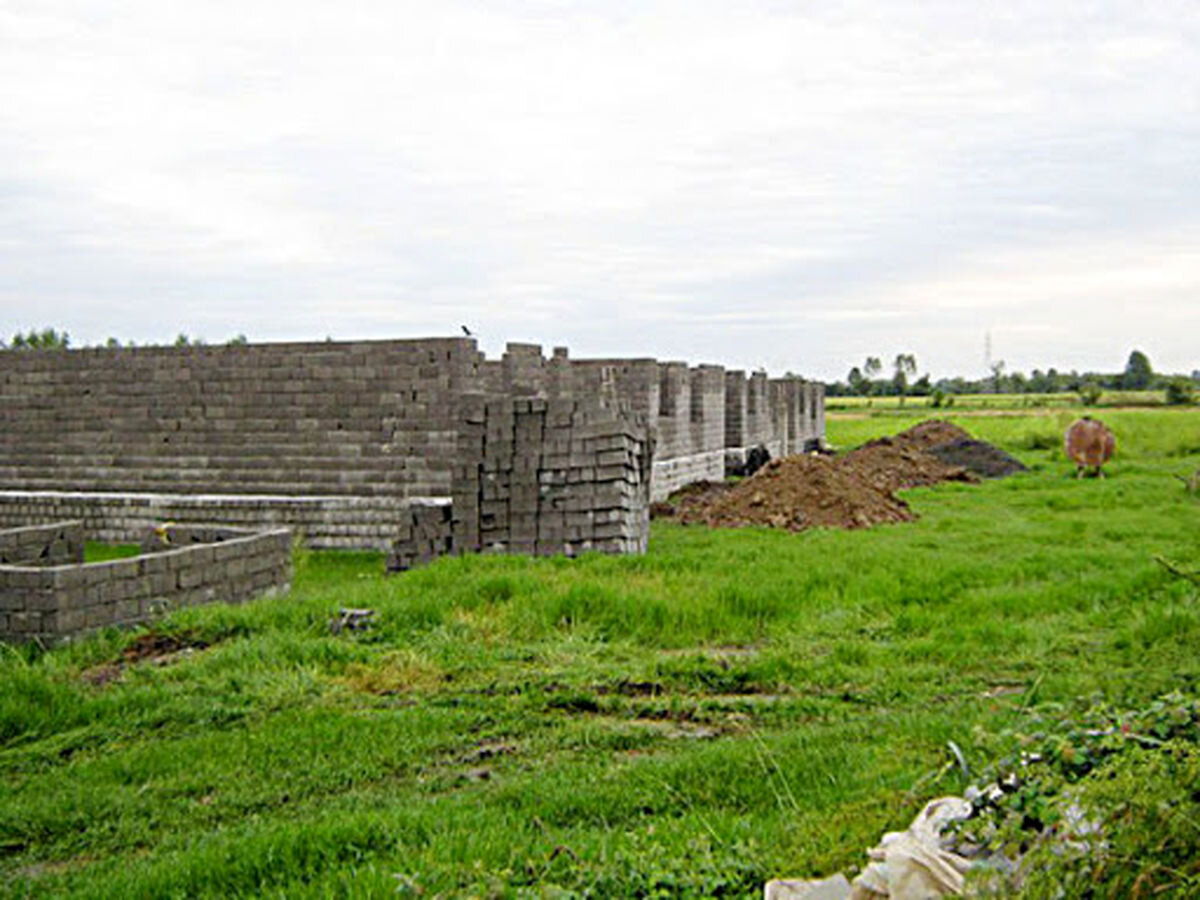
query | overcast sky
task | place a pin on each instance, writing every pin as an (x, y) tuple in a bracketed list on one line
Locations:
[(789, 185)]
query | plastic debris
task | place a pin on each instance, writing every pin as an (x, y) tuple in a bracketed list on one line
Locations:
[(915, 864)]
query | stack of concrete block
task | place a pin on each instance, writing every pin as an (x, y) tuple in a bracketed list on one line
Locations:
[(541, 476), (467, 476), (511, 468), (500, 489), (493, 497), (594, 481), (423, 534)]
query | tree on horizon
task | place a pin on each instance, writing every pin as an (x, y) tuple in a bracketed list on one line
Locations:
[(1139, 375)]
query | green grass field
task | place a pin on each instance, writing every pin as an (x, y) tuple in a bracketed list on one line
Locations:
[(1059, 401), (733, 706)]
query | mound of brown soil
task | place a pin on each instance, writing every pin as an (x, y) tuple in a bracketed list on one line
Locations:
[(978, 457), (695, 495), (930, 433), (891, 464), (799, 492), (856, 491)]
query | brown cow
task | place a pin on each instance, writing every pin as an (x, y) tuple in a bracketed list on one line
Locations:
[(1090, 444)]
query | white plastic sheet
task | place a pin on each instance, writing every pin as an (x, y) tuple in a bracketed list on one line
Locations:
[(906, 865)]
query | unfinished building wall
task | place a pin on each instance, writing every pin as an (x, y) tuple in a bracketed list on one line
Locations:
[(736, 395), (799, 414), (760, 426), (323, 419), (689, 427), (329, 438), (814, 422), (685, 405), (342, 442)]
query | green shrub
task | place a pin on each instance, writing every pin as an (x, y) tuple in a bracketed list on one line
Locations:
[(1180, 392), (1043, 440), (1148, 804), (1090, 393), (1097, 804)]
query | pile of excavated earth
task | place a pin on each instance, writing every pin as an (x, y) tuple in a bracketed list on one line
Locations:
[(857, 490)]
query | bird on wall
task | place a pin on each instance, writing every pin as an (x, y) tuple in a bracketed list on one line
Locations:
[(466, 330)]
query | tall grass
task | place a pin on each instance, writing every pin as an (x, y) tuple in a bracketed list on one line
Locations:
[(732, 706)]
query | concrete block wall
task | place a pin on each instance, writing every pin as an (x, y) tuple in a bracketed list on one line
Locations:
[(317, 419), (705, 420), (674, 410), (744, 428), (689, 427), (793, 397), (687, 409), (736, 396), (798, 414), (814, 427), (42, 545), (633, 384), (760, 428), (345, 442), (50, 602)]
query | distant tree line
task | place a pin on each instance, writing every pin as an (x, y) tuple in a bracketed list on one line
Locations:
[(46, 339), (50, 339), (870, 380)]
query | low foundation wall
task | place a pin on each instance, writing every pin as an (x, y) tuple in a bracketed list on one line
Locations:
[(42, 545), (189, 566), (672, 474), (321, 523)]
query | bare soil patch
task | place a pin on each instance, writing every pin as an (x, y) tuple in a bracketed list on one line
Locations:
[(152, 647), (157, 647)]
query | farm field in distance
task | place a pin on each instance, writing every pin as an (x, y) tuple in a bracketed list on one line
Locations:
[(734, 706), (967, 403)]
